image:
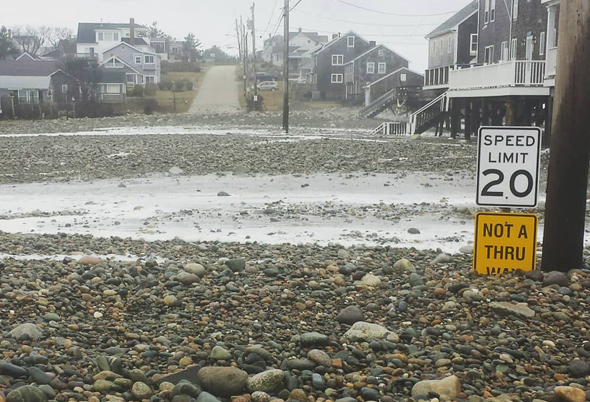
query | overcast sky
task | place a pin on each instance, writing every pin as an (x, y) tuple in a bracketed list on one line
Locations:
[(399, 24)]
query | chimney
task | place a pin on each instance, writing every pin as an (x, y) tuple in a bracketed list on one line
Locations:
[(334, 36), (372, 43), (132, 32)]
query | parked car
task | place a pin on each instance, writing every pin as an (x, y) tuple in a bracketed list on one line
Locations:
[(264, 76), (268, 86)]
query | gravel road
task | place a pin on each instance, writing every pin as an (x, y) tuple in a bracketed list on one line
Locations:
[(218, 93)]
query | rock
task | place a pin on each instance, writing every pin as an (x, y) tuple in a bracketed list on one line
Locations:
[(267, 381), (189, 374), (371, 280), (366, 331), (195, 269), (39, 376), (25, 332), (506, 308), (415, 280), (219, 353), (186, 388), (13, 370), (187, 278), (556, 278), (260, 396), (403, 265), (222, 194), (413, 231), (207, 397), (579, 368), (320, 357), (103, 386), (141, 391), (350, 315), (443, 259), (535, 275), (236, 264), (568, 394), (89, 260), (450, 387), (313, 339), (171, 301), (26, 393), (223, 381), (175, 171), (466, 250)]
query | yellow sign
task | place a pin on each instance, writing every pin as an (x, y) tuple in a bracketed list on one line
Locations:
[(505, 242)]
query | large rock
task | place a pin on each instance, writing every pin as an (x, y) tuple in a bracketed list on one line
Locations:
[(403, 265), (236, 265), (187, 278), (556, 278), (25, 332), (450, 387), (350, 315), (366, 331), (267, 381), (89, 260), (567, 394), (141, 391), (579, 368), (320, 357), (313, 339), (207, 397), (26, 393), (223, 381), (521, 310), (195, 269), (219, 353)]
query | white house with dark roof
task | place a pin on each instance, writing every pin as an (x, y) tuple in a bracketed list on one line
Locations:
[(94, 39)]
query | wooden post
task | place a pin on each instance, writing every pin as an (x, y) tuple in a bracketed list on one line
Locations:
[(455, 118), (476, 118), (468, 119), (563, 241), (485, 113), (548, 123), (286, 69)]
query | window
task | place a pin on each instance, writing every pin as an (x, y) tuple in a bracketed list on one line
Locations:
[(139, 79), (150, 79), (350, 41), (64, 89), (25, 96), (486, 16), (513, 48), (113, 63), (337, 59), (543, 43), (370, 68), (473, 45), (489, 55), (337, 78), (515, 10), (381, 67), (450, 49), (381, 52), (108, 36), (504, 51), (403, 77), (137, 59), (149, 59), (116, 36), (100, 36), (131, 78), (34, 96), (493, 11)]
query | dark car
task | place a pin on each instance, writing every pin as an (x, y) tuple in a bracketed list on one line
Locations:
[(263, 76)]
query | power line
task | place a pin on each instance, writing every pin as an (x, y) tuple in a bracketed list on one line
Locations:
[(278, 25), (375, 35), (271, 15), (394, 14), (366, 23), (293, 8)]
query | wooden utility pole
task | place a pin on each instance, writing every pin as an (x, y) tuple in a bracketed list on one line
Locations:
[(286, 68), (245, 57), (239, 41), (563, 240), (254, 58)]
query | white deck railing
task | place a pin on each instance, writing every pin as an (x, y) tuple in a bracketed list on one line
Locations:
[(507, 74)]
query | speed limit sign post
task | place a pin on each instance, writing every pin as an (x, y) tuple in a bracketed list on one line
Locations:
[(508, 166)]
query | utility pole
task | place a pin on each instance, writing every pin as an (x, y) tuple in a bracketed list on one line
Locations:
[(254, 58), (286, 68), (245, 55), (563, 240), (239, 41)]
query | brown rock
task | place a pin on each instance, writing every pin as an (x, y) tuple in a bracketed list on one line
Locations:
[(570, 394), (89, 260)]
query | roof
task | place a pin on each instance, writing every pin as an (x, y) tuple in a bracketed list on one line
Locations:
[(138, 41), (349, 33), (316, 37), (455, 20), (86, 30), (113, 77), (106, 60), (392, 73), (371, 50), (131, 47), (15, 83), (22, 68)]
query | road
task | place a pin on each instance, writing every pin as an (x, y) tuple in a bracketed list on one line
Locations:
[(218, 92)]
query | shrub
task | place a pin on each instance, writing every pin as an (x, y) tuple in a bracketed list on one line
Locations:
[(94, 109), (169, 85), (150, 89), (179, 86), (189, 85), (150, 106), (137, 91), (161, 86)]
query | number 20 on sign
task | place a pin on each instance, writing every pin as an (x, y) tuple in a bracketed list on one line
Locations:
[(505, 242)]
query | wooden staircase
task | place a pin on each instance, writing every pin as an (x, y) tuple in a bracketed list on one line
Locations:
[(423, 119), (379, 105)]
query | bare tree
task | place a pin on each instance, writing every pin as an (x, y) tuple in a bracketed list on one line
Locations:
[(31, 39), (58, 35), (7, 48)]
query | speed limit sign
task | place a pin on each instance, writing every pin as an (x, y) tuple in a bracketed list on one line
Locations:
[(508, 166)]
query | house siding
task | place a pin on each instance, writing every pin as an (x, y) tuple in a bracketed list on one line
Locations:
[(324, 68), (532, 20), (439, 54), (413, 80), (468, 27), (57, 80), (127, 54), (493, 33)]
